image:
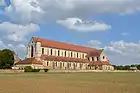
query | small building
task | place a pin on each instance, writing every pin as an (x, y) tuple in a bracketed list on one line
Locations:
[(50, 54)]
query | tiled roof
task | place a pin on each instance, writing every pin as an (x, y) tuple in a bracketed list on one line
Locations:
[(78, 60), (65, 46), (94, 53), (30, 61), (100, 63)]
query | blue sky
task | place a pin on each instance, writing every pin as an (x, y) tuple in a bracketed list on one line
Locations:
[(112, 25)]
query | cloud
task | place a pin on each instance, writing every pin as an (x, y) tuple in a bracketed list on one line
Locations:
[(16, 32), (125, 34), (83, 26), (19, 49), (2, 45), (38, 10), (94, 43), (24, 11), (2, 2), (121, 52), (13, 36)]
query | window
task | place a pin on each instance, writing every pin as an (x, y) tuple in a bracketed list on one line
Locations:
[(47, 63), (58, 53), (63, 64), (77, 55), (65, 54), (103, 57), (32, 51), (92, 58), (82, 55), (42, 50), (71, 54), (51, 51), (97, 58)]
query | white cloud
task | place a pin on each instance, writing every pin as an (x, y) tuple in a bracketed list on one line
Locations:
[(94, 43), (83, 26), (19, 49), (24, 11), (13, 36), (2, 2), (121, 52), (38, 10), (16, 32), (125, 34), (2, 45)]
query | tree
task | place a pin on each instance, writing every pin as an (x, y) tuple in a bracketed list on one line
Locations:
[(138, 67), (6, 59), (119, 67), (127, 67)]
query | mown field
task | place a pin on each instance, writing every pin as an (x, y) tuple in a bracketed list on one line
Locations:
[(70, 83)]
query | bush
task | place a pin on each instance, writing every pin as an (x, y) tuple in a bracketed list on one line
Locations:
[(35, 70), (30, 69), (46, 70)]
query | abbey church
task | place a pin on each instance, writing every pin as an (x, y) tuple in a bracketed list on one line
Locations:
[(49, 54)]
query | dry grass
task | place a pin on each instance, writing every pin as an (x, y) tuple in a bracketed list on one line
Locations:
[(70, 83)]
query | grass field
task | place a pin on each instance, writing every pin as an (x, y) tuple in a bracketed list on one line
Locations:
[(70, 83)]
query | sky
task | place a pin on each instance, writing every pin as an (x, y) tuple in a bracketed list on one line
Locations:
[(109, 24)]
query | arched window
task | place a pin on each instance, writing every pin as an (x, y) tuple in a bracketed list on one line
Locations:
[(97, 58), (58, 53), (103, 57), (77, 55), (63, 64), (42, 50), (92, 58), (82, 55), (47, 63), (32, 51), (51, 51), (65, 53), (71, 54)]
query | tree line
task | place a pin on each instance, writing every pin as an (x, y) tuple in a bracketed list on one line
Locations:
[(127, 67), (6, 59)]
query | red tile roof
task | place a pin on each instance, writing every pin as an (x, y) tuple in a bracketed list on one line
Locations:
[(94, 53), (100, 63), (66, 59), (30, 61), (65, 46)]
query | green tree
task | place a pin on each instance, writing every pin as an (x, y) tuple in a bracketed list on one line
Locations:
[(138, 67), (127, 67), (119, 67), (6, 59)]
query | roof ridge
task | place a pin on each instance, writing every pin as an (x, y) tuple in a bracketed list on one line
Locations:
[(64, 42)]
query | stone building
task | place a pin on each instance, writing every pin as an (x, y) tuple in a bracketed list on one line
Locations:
[(49, 54)]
